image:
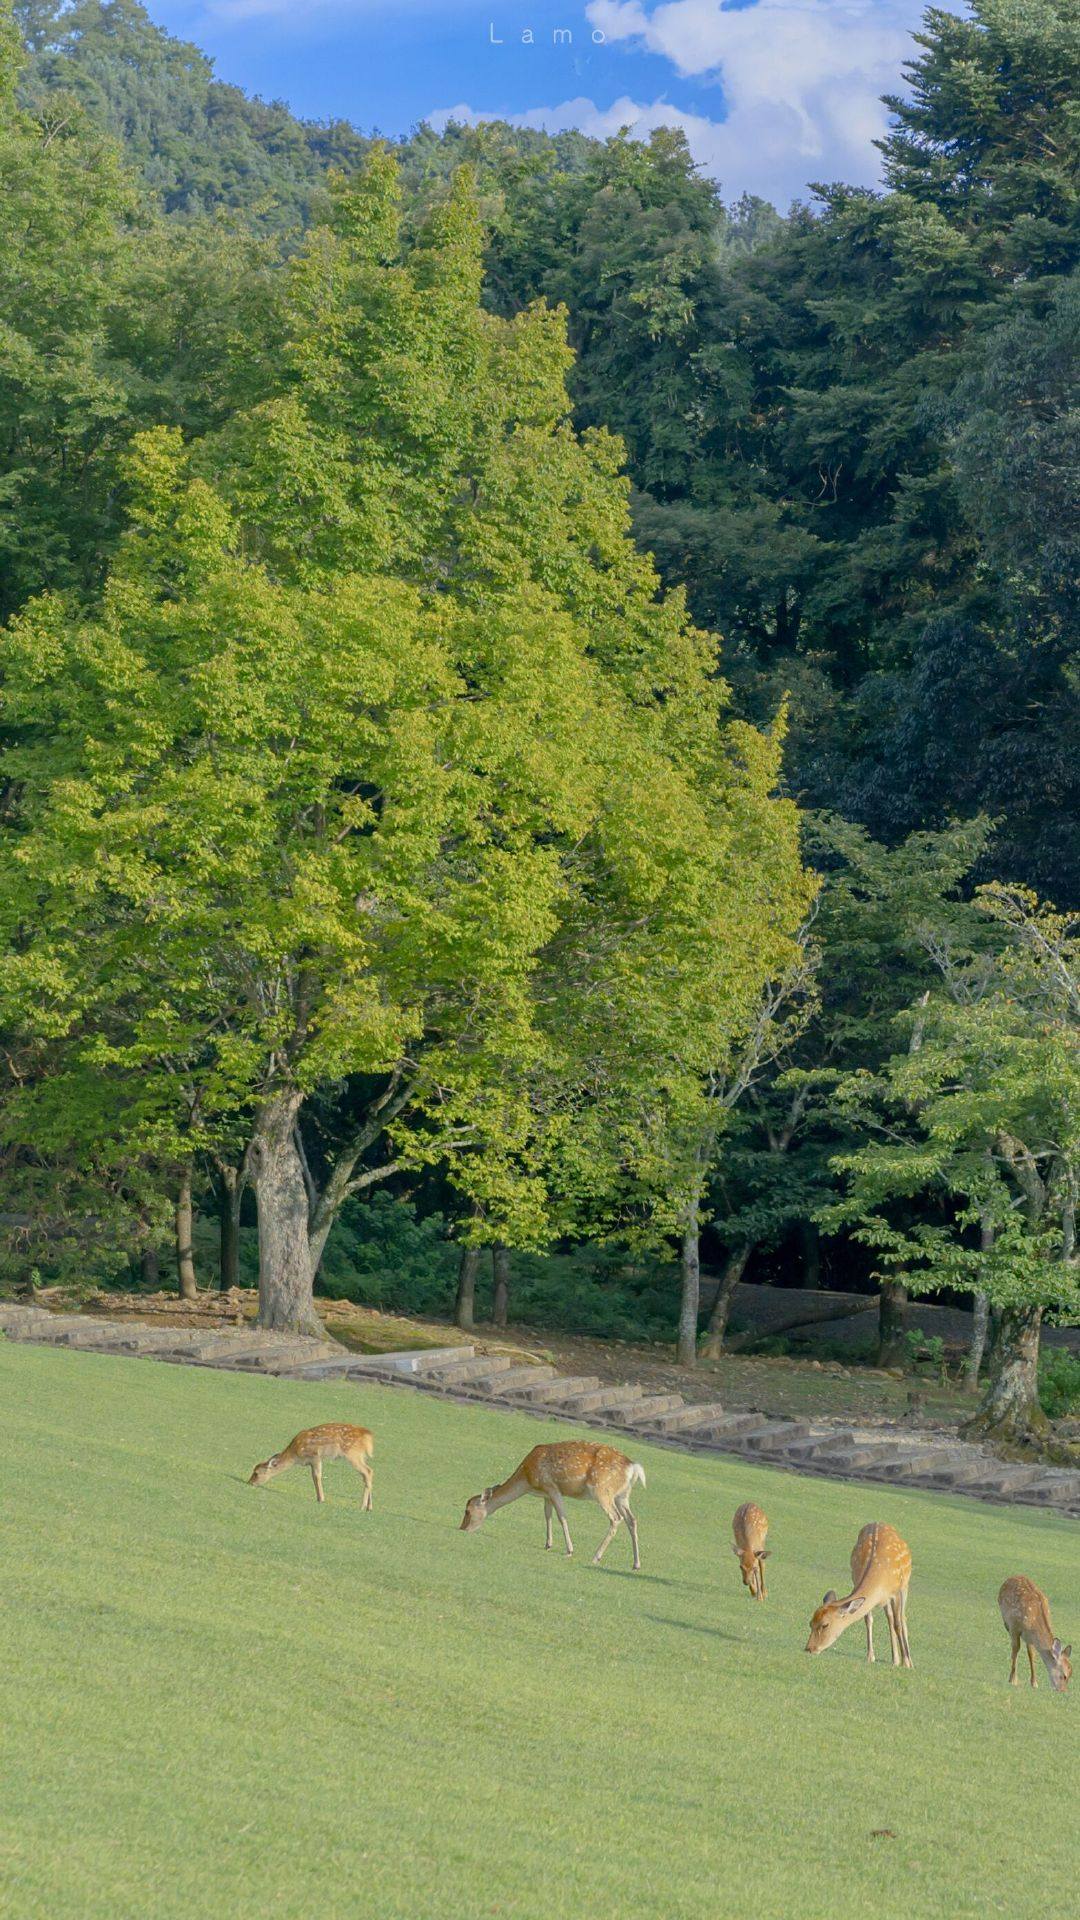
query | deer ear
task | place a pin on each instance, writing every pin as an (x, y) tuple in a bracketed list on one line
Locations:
[(829, 1599), (736, 1551), (1056, 1649), (1067, 1651), (764, 1552)]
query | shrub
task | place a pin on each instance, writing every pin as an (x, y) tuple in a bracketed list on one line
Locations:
[(1059, 1382)]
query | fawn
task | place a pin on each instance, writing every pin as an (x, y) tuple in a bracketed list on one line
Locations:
[(881, 1571), (569, 1470), (316, 1444), (750, 1528), (1026, 1613)]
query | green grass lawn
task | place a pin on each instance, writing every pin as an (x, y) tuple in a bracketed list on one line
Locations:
[(223, 1701)]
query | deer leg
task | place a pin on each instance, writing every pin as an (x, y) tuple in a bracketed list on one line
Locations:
[(623, 1507), (870, 1636), (1031, 1663), (548, 1512), (367, 1477), (1015, 1638), (901, 1620), (556, 1501), (892, 1621), (316, 1474), (614, 1517), (762, 1589)]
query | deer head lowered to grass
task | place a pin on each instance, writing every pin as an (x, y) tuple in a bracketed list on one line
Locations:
[(750, 1528), (335, 1441), (881, 1572), (1025, 1610), (568, 1470)]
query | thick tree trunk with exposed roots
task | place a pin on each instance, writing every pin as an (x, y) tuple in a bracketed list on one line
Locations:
[(500, 1268), (287, 1257), (1010, 1409), (716, 1331), (686, 1346), (185, 1254), (465, 1306), (892, 1321)]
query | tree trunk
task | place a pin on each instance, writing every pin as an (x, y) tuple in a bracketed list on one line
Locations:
[(465, 1306), (892, 1319), (811, 1243), (185, 1254), (230, 1197), (686, 1346), (500, 1269), (287, 1259), (150, 1268), (1010, 1408), (717, 1328), (980, 1322)]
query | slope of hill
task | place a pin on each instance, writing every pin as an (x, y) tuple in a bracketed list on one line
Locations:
[(221, 1700)]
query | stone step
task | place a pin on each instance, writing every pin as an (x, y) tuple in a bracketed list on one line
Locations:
[(14, 1313), (729, 1426), (351, 1367), (600, 1400), (422, 1359), (515, 1378), (684, 1419), (282, 1358), (536, 1392), (1006, 1479), (224, 1350), (652, 1407), (452, 1373), (772, 1436), (1056, 1485)]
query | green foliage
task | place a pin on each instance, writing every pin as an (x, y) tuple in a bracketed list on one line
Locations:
[(1059, 1382), (381, 1254)]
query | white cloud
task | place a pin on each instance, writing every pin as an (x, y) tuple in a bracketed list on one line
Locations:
[(801, 82)]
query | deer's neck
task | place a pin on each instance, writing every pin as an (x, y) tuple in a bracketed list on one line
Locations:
[(511, 1489)]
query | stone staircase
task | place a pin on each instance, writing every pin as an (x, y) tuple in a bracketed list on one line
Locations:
[(936, 1461)]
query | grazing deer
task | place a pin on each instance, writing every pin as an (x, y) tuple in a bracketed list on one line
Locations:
[(316, 1444), (569, 1470), (750, 1528), (1026, 1613), (881, 1571)]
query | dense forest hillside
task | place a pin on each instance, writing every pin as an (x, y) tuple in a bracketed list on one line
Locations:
[(265, 382), (821, 412)]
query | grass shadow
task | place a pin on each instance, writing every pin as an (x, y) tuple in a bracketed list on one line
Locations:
[(691, 1626)]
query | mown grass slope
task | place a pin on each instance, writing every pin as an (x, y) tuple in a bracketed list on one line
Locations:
[(226, 1701)]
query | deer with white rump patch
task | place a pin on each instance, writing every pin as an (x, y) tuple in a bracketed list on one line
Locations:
[(569, 1470), (750, 1528), (1025, 1610), (881, 1572), (316, 1444)]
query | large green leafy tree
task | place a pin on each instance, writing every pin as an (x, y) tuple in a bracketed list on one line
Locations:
[(969, 1170), (381, 771)]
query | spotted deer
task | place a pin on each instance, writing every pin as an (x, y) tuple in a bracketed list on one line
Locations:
[(881, 1572), (316, 1444), (1025, 1610), (569, 1470), (750, 1528)]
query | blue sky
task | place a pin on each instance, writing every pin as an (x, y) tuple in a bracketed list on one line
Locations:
[(771, 93)]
